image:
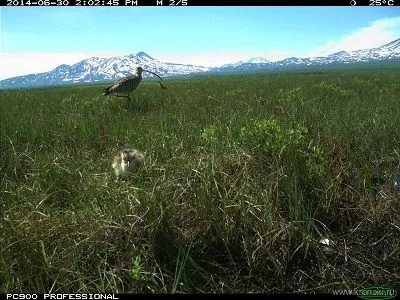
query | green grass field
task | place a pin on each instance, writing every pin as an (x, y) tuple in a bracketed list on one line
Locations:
[(243, 176)]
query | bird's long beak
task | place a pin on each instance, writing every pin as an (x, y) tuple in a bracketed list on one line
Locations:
[(152, 73)]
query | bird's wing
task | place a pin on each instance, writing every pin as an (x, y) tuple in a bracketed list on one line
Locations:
[(122, 82), (124, 79)]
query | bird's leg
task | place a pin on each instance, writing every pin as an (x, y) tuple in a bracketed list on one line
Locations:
[(124, 96)]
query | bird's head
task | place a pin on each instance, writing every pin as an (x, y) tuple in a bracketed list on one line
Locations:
[(139, 70)]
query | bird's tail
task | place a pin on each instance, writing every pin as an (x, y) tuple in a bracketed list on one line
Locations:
[(106, 91)]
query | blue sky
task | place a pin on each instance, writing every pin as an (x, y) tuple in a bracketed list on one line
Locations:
[(37, 39)]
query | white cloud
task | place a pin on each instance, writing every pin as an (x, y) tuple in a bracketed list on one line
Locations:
[(23, 63), (374, 35), (278, 55)]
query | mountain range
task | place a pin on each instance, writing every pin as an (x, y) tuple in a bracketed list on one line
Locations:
[(390, 51), (96, 69)]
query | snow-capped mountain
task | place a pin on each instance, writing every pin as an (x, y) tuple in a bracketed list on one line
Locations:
[(390, 51), (257, 60), (253, 60), (102, 69), (107, 69)]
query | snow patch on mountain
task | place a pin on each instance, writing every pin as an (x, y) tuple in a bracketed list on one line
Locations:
[(257, 60)]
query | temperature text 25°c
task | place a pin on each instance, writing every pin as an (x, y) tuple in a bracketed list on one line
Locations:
[(381, 2)]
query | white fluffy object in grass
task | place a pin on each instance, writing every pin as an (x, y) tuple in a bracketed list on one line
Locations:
[(326, 242), (397, 184), (126, 162)]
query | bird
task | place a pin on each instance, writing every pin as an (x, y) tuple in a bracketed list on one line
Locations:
[(128, 84), (127, 161)]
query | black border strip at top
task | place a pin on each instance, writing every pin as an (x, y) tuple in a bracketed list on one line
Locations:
[(245, 2), (265, 2), (349, 3)]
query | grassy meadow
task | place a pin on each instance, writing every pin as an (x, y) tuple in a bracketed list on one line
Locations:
[(243, 177)]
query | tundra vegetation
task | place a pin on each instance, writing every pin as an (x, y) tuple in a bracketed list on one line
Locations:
[(244, 175)]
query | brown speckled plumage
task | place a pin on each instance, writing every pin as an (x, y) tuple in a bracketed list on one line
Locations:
[(128, 84)]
